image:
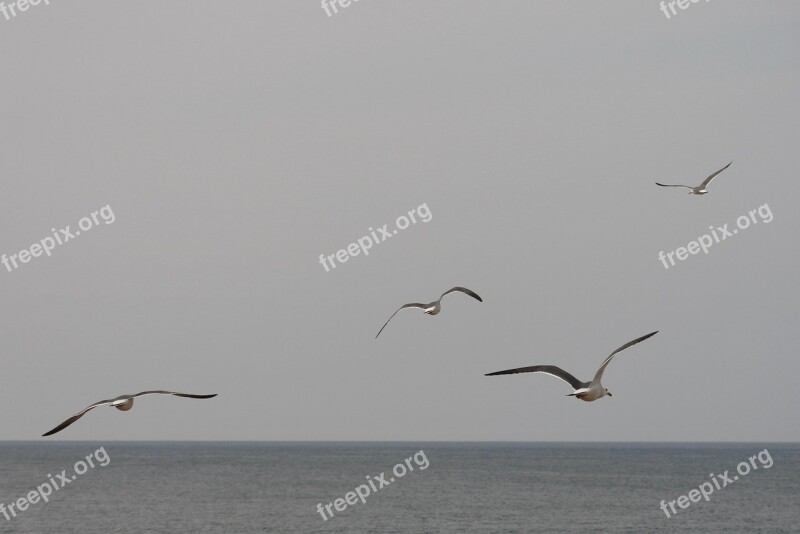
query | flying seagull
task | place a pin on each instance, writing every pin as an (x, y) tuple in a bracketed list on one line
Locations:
[(700, 189), (432, 308), (123, 403), (585, 391)]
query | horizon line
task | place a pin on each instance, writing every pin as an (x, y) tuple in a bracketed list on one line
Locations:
[(409, 441)]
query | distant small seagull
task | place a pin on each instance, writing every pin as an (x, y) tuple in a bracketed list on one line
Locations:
[(123, 403), (585, 391), (432, 308), (700, 189)]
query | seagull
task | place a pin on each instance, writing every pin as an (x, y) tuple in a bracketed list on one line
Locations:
[(585, 391), (700, 189), (432, 308), (123, 403)]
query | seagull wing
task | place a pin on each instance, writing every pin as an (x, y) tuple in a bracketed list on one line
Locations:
[(403, 307), (708, 180), (462, 290), (551, 370), (599, 374), (669, 185), (75, 417), (189, 395)]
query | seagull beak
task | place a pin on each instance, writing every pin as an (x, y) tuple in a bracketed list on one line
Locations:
[(609, 394)]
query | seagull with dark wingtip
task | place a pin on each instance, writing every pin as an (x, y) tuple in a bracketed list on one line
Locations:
[(700, 189), (122, 403), (585, 391), (432, 308)]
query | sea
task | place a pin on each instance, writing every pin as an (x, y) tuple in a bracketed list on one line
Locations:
[(248, 487)]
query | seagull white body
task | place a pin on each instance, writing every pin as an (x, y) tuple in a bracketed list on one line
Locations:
[(431, 308), (585, 391), (593, 392), (700, 189), (122, 403)]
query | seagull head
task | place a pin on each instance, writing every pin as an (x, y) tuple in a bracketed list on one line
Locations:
[(607, 392)]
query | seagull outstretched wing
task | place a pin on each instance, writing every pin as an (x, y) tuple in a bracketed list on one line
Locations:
[(188, 395), (403, 307), (708, 180), (77, 416), (599, 374), (462, 290), (675, 185), (551, 370)]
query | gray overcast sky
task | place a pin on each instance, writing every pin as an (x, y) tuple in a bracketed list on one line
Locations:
[(236, 142)]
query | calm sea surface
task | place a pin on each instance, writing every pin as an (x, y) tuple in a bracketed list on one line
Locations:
[(468, 487)]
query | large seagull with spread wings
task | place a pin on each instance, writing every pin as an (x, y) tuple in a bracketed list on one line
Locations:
[(123, 403), (585, 391)]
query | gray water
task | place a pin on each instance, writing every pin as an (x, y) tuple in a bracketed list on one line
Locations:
[(467, 487)]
